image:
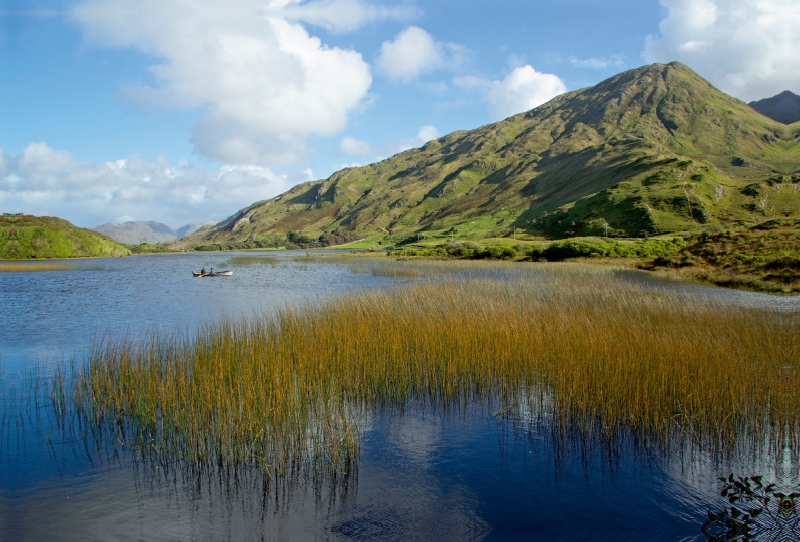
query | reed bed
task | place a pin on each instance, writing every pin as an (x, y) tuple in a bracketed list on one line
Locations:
[(28, 267), (592, 352), (252, 260)]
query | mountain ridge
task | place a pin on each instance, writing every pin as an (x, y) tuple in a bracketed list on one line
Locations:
[(649, 151), (783, 107), (137, 232)]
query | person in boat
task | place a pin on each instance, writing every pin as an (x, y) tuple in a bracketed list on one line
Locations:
[(203, 271), (211, 272)]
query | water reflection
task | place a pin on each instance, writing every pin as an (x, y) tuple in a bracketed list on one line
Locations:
[(423, 475), (483, 472)]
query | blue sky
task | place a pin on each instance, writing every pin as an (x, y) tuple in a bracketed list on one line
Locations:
[(181, 111)]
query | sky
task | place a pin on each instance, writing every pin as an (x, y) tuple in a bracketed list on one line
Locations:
[(182, 111)]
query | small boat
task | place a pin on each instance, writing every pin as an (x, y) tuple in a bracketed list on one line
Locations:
[(210, 274)]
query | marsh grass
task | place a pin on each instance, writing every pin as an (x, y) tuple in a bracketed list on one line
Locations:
[(29, 267), (252, 260), (591, 353)]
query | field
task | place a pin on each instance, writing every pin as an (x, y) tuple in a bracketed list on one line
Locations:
[(589, 351)]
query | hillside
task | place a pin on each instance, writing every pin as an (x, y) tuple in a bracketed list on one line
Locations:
[(42, 237), (784, 108), (650, 151), (189, 229), (134, 233)]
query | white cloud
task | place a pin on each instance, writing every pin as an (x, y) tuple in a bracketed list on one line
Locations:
[(339, 15), (3, 164), (425, 134), (355, 147), (523, 89), (50, 182), (264, 83), (414, 52), (748, 48), (598, 63)]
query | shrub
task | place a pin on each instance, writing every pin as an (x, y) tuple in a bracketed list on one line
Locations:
[(609, 248)]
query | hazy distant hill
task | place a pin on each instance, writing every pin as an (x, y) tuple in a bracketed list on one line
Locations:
[(784, 107), (652, 150), (134, 233), (189, 229), (26, 236)]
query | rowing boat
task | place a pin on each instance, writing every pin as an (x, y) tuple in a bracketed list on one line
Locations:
[(209, 274)]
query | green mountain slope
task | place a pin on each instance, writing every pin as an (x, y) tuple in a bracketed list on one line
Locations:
[(652, 150), (26, 236)]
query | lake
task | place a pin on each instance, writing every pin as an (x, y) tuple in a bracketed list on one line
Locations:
[(425, 473)]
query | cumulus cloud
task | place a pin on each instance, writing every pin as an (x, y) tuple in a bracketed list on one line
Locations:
[(748, 48), (45, 181), (414, 52), (521, 90), (425, 134), (355, 147), (264, 82)]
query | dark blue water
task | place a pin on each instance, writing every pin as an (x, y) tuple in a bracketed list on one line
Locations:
[(53, 315), (423, 474)]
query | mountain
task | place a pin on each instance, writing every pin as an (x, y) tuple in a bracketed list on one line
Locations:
[(784, 107), (652, 150), (134, 233), (26, 236), (189, 229)]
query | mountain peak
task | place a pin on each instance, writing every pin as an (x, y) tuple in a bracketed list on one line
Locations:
[(783, 107), (651, 150)]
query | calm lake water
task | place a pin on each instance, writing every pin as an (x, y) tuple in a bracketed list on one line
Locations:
[(423, 474)]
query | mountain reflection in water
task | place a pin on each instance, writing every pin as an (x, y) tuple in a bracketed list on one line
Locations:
[(481, 472)]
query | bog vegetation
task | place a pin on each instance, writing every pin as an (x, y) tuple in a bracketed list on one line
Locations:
[(589, 247), (590, 352), (764, 257)]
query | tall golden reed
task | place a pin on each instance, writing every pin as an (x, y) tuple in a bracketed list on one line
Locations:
[(30, 267), (596, 352)]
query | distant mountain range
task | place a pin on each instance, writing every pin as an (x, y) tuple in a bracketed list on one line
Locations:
[(784, 108), (652, 150), (134, 233)]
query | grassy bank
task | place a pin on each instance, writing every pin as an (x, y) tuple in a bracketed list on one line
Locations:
[(556, 251), (24, 237), (589, 350), (763, 258)]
